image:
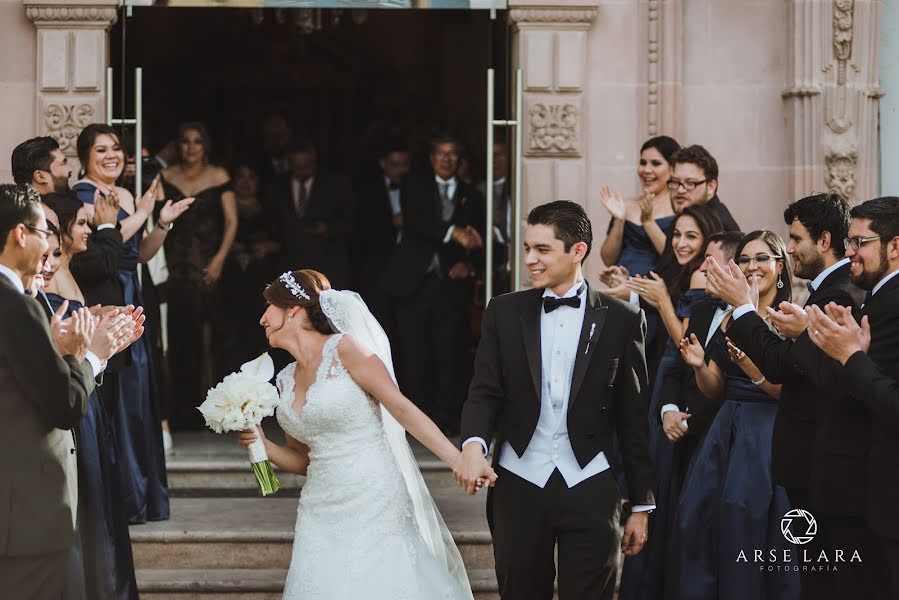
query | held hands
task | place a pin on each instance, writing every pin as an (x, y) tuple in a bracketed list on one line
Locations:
[(674, 424), (790, 321), (835, 331), (72, 336), (471, 469), (613, 202), (692, 351), (635, 533), (652, 289)]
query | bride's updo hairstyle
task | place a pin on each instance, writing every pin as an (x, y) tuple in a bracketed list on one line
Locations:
[(301, 288)]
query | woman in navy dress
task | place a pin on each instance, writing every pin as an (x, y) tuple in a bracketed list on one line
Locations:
[(200, 330), (136, 414), (103, 542), (643, 575), (729, 503)]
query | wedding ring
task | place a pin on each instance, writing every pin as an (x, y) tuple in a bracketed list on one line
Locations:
[(814, 332)]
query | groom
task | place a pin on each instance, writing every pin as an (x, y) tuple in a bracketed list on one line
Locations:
[(555, 483)]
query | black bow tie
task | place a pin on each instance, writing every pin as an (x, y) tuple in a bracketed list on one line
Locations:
[(550, 304), (393, 186)]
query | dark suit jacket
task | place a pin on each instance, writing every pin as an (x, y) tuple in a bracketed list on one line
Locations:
[(330, 203), (679, 383), (42, 395), (802, 396), (608, 391), (424, 230), (374, 236)]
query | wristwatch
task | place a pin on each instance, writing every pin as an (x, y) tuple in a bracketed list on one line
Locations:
[(166, 227)]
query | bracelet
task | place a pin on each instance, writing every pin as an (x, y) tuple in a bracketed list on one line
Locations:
[(760, 381), (165, 227)]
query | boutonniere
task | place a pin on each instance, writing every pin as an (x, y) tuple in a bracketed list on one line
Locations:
[(590, 337)]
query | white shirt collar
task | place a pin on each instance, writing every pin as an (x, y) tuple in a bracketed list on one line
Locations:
[(548, 293), (500, 181), (13, 277), (451, 181), (817, 281), (883, 281)]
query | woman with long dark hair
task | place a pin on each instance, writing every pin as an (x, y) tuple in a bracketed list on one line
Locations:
[(196, 253), (103, 542), (729, 502)]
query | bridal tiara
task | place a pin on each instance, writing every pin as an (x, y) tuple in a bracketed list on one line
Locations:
[(292, 285)]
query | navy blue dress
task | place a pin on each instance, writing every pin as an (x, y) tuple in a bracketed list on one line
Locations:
[(136, 418), (729, 502), (643, 576), (637, 252), (103, 542)]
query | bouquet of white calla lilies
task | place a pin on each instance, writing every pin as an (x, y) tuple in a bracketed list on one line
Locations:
[(240, 402)]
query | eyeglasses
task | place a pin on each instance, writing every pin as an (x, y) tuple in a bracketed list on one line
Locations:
[(688, 185), (758, 259), (46, 232), (857, 241)]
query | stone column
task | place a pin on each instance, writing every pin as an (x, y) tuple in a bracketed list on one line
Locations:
[(833, 95), (661, 34), (72, 52)]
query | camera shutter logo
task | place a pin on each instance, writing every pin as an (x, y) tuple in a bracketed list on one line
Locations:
[(802, 522)]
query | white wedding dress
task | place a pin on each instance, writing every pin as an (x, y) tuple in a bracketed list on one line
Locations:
[(356, 533)]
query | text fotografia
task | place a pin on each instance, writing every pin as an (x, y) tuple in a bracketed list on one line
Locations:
[(806, 561)]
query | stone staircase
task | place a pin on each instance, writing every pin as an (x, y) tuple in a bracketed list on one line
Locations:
[(225, 541)]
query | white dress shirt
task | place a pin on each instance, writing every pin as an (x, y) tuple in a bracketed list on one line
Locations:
[(295, 190), (13, 277), (450, 192), (394, 195), (883, 281), (817, 281)]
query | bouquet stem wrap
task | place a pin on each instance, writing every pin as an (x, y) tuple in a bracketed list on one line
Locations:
[(262, 469)]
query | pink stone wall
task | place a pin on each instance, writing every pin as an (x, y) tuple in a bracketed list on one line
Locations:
[(17, 80)]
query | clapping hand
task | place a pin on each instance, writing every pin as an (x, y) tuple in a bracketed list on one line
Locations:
[(613, 202), (739, 358), (467, 237), (106, 208), (729, 283), (614, 276), (172, 210), (145, 203), (790, 321), (460, 270), (114, 330), (647, 206), (692, 351), (652, 289), (835, 331), (72, 336)]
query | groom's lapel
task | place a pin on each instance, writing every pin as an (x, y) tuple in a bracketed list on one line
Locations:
[(530, 331), (594, 319)]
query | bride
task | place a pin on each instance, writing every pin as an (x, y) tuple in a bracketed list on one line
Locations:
[(366, 525)]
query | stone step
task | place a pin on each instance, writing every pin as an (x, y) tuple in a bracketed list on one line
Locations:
[(257, 533), (251, 584)]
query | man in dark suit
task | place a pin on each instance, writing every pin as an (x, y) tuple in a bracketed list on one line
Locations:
[(874, 252), (378, 223), (312, 209), (502, 218), (559, 371), (430, 276), (43, 392)]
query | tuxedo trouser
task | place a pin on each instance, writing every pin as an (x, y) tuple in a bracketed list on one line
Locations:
[(890, 573), (435, 331), (528, 522), (851, 580), (35, 577)]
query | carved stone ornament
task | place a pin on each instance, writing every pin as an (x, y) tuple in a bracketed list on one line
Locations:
[(96, 15), (553, 129), (547, 14), (65, 121), (842, 29), (840, 172)]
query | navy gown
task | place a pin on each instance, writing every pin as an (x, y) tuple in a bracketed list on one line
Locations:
[(643, 576), (637, 252), (103, 544), (136, 418), (729, 502)]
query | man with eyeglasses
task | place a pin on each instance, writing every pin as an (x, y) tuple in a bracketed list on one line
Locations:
[(44, 388), (813, 427), (695, 181)]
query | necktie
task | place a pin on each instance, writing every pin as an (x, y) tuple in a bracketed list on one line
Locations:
[(445, 201), (550, 304), (300, 201)]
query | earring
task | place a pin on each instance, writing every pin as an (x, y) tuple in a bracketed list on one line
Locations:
[(780, 284), (289, 317)]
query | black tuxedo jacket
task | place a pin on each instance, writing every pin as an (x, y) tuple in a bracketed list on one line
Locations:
[(374, 236), (41, 396), (802, 397), (329, 202), (679, 382), (608, 390), (424, 230)]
